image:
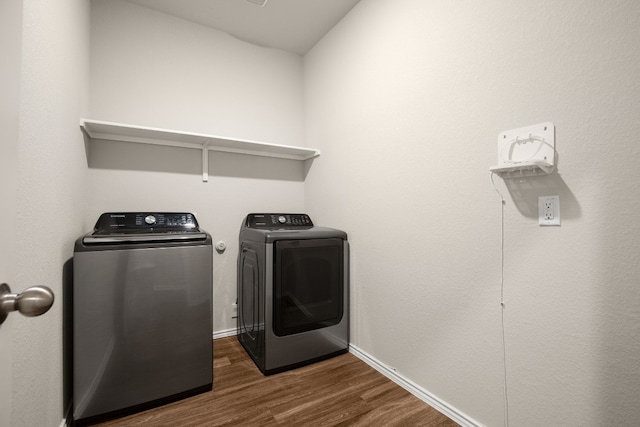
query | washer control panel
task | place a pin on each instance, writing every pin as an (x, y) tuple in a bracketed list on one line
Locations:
[(145, 222), (276, 220)]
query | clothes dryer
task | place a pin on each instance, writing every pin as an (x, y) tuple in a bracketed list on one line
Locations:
[(293, 291)]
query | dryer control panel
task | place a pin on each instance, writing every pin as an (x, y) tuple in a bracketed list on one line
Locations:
[(278, 220)]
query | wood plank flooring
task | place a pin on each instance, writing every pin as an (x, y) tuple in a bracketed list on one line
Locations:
[(342, 391)]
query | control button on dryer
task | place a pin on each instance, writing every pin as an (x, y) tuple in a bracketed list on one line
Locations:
[(282, 219), (150, 219)]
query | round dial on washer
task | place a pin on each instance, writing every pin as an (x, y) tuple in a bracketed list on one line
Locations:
[(282, 219), (150, 219)]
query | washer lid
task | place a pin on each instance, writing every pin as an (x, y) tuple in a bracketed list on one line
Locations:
[(138, 227)]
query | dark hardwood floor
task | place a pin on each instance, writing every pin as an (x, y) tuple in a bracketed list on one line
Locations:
[(342, 391)]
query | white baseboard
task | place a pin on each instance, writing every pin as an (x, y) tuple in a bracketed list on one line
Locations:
[(225, 333), (415, 389)]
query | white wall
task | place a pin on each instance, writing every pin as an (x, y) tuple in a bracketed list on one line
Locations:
[(151, 69), (10, 52), (51, 180), (406, 98)]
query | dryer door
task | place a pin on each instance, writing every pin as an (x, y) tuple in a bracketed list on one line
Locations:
[(308, 285)]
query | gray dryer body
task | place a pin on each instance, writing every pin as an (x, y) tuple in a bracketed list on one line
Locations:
[(293, 291)]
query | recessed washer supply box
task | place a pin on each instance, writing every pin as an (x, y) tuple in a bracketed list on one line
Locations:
[(526, 151)]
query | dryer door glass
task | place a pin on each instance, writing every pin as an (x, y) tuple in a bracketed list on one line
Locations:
[(308, 285)]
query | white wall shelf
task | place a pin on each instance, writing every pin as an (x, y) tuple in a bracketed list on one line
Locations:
[(527, 151), (95, 129)]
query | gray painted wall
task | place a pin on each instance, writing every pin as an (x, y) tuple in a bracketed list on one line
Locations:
[(152, 69), (406, 99)]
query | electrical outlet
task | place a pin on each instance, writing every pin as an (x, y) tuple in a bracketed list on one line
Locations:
[(549, 210), (234, 310)]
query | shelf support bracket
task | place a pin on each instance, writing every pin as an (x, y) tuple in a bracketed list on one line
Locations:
[(205, 161)]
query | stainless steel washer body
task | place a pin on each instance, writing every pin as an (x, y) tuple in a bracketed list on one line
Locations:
[(142, 323), (293, 291)]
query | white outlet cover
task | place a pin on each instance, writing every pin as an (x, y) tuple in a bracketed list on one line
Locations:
[(549, 210)]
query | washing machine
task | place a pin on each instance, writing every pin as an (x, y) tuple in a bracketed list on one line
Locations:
[(293, 291), (142, 323)]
